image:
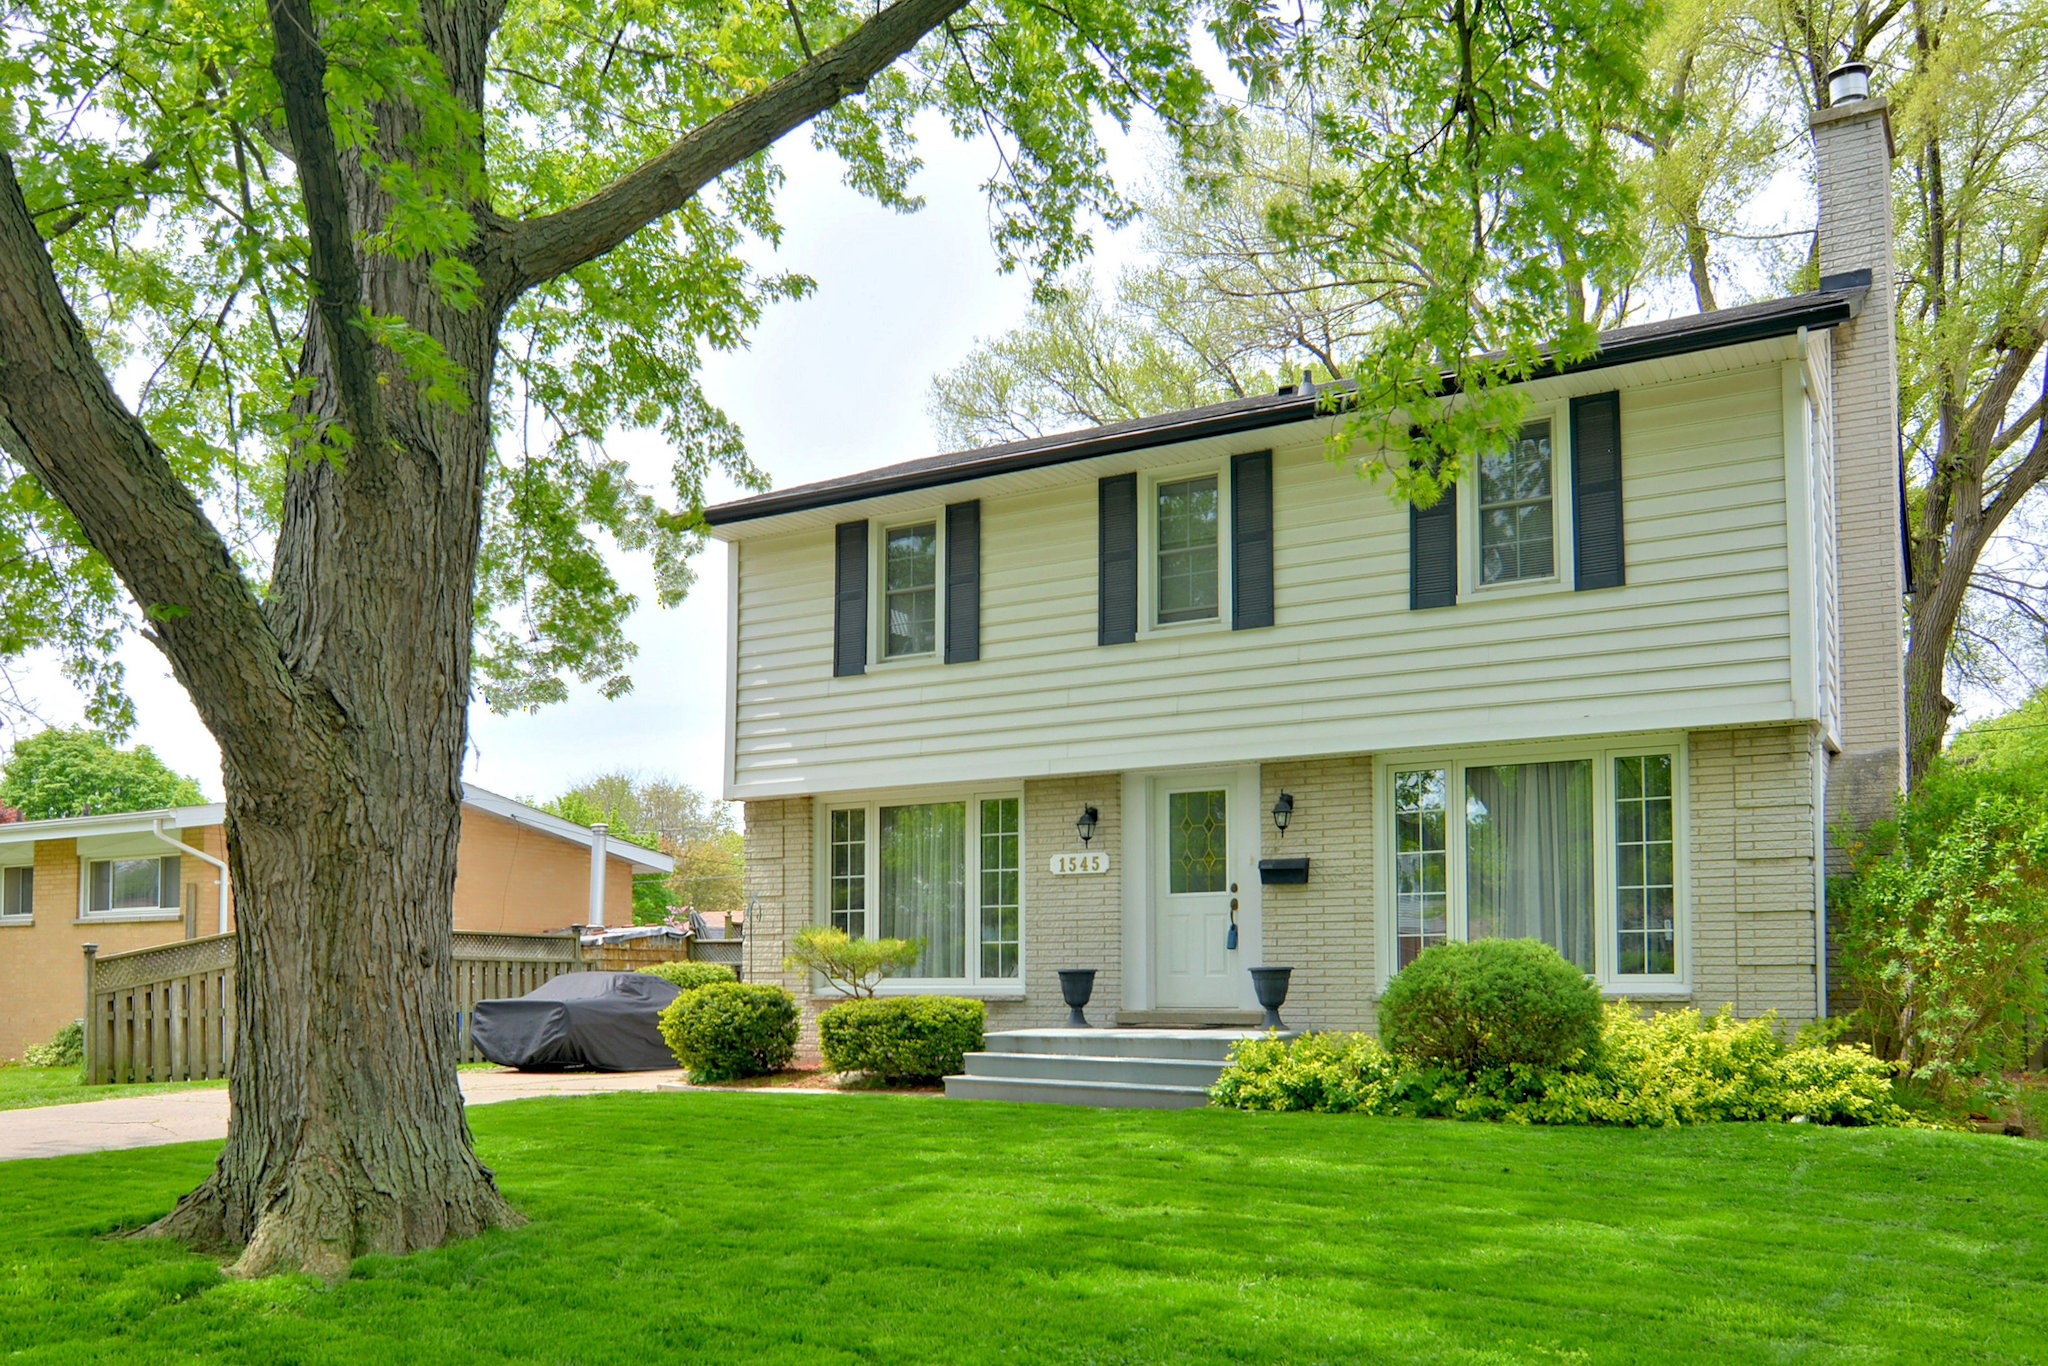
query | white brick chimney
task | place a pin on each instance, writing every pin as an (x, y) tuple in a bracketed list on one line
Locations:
[(1852, 142)]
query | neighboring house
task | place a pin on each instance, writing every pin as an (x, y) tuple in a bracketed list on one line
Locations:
[(143, 878), (1037, 704)]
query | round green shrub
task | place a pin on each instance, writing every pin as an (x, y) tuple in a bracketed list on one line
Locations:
[(690, 976), (67, 1049), (1492, 1003), (902, 1038), (731, 1029)]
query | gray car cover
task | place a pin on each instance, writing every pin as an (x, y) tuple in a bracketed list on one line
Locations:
[(602, 1020)]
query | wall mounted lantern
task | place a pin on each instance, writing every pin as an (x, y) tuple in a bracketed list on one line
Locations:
[(1283, 812), (1086, 824)]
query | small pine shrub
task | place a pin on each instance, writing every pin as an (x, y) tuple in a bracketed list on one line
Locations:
[(902, 1038), (731, 1029), (1492, 1003), (690, 976), (67, 1049)]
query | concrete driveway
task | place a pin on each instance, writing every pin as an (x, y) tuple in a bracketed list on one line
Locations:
[(96, 1126)]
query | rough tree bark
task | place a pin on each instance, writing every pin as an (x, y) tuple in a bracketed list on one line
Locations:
[(340, 699)]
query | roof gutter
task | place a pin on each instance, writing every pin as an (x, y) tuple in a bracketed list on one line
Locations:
[(1826, 310), (222, 895)]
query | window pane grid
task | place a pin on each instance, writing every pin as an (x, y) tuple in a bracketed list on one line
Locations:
[(848, 858), (910, 597), (1645, 868), (1517, 526), (1187, 578), (1001, 884), (1421, 863), (18, 892)]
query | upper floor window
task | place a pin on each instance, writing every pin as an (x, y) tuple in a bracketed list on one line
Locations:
[(17, 893), (910, 590), (128, 885), (1517, 510), (1186, 582)]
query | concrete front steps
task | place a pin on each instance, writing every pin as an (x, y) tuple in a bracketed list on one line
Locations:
[(1124, 1069)]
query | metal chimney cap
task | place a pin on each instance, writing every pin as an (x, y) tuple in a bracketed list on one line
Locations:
[(1848, 83)]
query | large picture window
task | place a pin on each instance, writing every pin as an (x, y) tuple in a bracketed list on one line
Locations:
[(129, 886), (1580, 852), (949, 873)]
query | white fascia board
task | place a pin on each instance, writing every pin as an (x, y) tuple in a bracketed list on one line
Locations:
[(519, 813), (120, 823)]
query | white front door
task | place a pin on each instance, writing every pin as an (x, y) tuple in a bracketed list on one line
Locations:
[(1194, 898)]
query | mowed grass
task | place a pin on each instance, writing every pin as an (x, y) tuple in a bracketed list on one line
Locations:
[(828, 1229), (23, 1087)]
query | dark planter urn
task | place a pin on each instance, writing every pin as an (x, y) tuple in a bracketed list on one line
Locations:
[(1076, 986), (1271, 986)]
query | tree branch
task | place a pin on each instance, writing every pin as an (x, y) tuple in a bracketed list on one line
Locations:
[(300, 65), (545, 247), (60, 418)]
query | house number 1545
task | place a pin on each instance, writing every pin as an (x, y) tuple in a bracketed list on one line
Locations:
[(1068, 864)]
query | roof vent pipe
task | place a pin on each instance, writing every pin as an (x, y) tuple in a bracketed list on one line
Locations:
[(1848, 83), (598, 841)]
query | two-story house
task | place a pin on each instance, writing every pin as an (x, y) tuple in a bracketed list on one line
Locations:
[(1053, 704)]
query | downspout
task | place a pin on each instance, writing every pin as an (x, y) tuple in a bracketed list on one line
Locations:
[(203, 857), (598, 842)]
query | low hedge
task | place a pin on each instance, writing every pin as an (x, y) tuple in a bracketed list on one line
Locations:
[(1491, 1003), (1667, 1069), (902, 1038), (690, 976), (731, 1029)]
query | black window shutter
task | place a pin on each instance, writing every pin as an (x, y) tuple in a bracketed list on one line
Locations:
[(1596, 492), (1433, 553), (1117, 598), (1251, 540), (850, 602), (963, 582)]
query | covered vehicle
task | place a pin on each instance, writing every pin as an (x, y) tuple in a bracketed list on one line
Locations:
[(601, 1020)]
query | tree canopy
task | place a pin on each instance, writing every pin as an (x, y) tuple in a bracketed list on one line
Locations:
[(81, 772)]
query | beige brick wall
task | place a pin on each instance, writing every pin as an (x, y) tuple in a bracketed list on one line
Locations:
[(1069, 922), (1753, 893), (1853, 148), (1324, 930), (779, 896)]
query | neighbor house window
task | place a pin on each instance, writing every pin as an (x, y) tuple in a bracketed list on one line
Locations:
[(114, 886), (1487, 850), (17, 893), (910, 596), (948, 873), (1186, 550), (1517, 514)]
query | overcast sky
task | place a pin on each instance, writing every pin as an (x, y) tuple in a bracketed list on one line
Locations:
[(833, 383)]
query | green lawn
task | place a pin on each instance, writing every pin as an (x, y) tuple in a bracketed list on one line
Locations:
[(22, 1087), (816, 1230)]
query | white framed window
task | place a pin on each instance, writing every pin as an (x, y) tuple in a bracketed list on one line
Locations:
[(17, 893), (1580, 847), (117, 888), (909, 625), (1516, 510), (947, 870), (1187, 563)]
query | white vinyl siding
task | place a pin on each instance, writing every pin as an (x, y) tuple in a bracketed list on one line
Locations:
[(1698, 637)]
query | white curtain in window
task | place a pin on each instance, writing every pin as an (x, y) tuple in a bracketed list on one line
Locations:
[(1529, 855), (924, 884)]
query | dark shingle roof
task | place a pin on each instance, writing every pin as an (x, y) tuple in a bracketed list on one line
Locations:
[(1835, 302)]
